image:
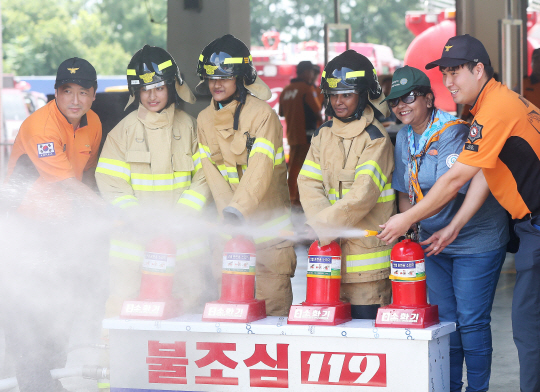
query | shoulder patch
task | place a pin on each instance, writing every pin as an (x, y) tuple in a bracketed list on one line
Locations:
[(46, 150), (475, 132), (374, 132), (327, 124)]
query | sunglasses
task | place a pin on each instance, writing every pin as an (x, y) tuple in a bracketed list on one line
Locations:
[(407, 98)]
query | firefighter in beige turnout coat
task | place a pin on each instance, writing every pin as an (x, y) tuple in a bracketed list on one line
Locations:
[(345, 182), (150, 166), (241, 149)]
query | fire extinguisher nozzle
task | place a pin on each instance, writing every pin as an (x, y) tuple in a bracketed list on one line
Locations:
[(372, 233), (287, 233)]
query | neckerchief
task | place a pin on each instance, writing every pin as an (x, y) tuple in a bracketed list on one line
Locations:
[(439, 122)]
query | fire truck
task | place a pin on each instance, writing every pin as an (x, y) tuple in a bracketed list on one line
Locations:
[(276, 63)]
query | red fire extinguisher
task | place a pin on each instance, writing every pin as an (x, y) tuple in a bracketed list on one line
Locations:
[(155, 300), (238, 271), (322, 305), (409, 308), (324, 274), (237, 302)]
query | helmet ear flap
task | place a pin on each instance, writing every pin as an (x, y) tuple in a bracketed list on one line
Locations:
[(329, 111), (250, 74), (375, 89)]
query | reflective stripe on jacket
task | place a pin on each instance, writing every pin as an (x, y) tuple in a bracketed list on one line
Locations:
[(153, 158), (345, 183), (255, 185)]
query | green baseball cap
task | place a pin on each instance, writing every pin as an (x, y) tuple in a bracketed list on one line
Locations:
[(405, 80)]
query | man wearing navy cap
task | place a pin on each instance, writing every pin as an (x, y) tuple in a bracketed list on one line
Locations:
[(502, 154), (58, 144), (50, 177)]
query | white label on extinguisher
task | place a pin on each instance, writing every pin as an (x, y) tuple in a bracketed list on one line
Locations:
[(409, 270), (239, 262), (158, 262), (324, 265)]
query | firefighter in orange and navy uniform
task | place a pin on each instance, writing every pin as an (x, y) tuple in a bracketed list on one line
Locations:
[(300, 106), (50, 177)]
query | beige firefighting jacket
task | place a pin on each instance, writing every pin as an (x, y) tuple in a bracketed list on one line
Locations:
[(345, 184), (256, 187), (153, 159)]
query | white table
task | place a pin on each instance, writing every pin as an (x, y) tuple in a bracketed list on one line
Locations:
[(186, 354)]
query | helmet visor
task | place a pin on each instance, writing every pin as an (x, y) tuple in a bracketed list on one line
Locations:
[(344, 80), (221, 65)]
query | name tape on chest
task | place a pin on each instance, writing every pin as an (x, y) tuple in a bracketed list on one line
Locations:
[(46, 150), (471, 147)]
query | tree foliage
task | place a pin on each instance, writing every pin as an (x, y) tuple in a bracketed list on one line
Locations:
[(378, 22), (38, 36)]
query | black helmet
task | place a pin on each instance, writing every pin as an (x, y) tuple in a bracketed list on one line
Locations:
[(226, 57), (151, 65), (154, 66), (350, 72)]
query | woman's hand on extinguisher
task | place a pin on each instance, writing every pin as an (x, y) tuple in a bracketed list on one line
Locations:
[(396, 226), (440, 240)]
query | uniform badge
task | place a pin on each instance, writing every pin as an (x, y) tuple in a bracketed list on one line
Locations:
[(451, 159), (333, 82), (433, 152), (475, 132), (147, 77), (45, 150), (72, 70), (210, 69)]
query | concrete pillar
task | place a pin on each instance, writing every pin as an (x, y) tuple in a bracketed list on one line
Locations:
[(190, 30)]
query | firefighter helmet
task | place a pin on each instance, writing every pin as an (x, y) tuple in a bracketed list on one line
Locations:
[(152, 67), (351, 72), (226, 57)]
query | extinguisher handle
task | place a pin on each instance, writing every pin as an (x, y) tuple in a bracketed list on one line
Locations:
[(413, 233)]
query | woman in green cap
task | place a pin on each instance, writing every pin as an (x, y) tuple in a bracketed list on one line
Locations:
[(463, 275)]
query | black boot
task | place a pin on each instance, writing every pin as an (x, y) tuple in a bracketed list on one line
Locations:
[(365, 312)]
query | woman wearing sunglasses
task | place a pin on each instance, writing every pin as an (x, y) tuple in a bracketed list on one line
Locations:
[(461, 277)]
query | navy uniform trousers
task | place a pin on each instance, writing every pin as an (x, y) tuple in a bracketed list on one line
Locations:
[(526, 304)]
